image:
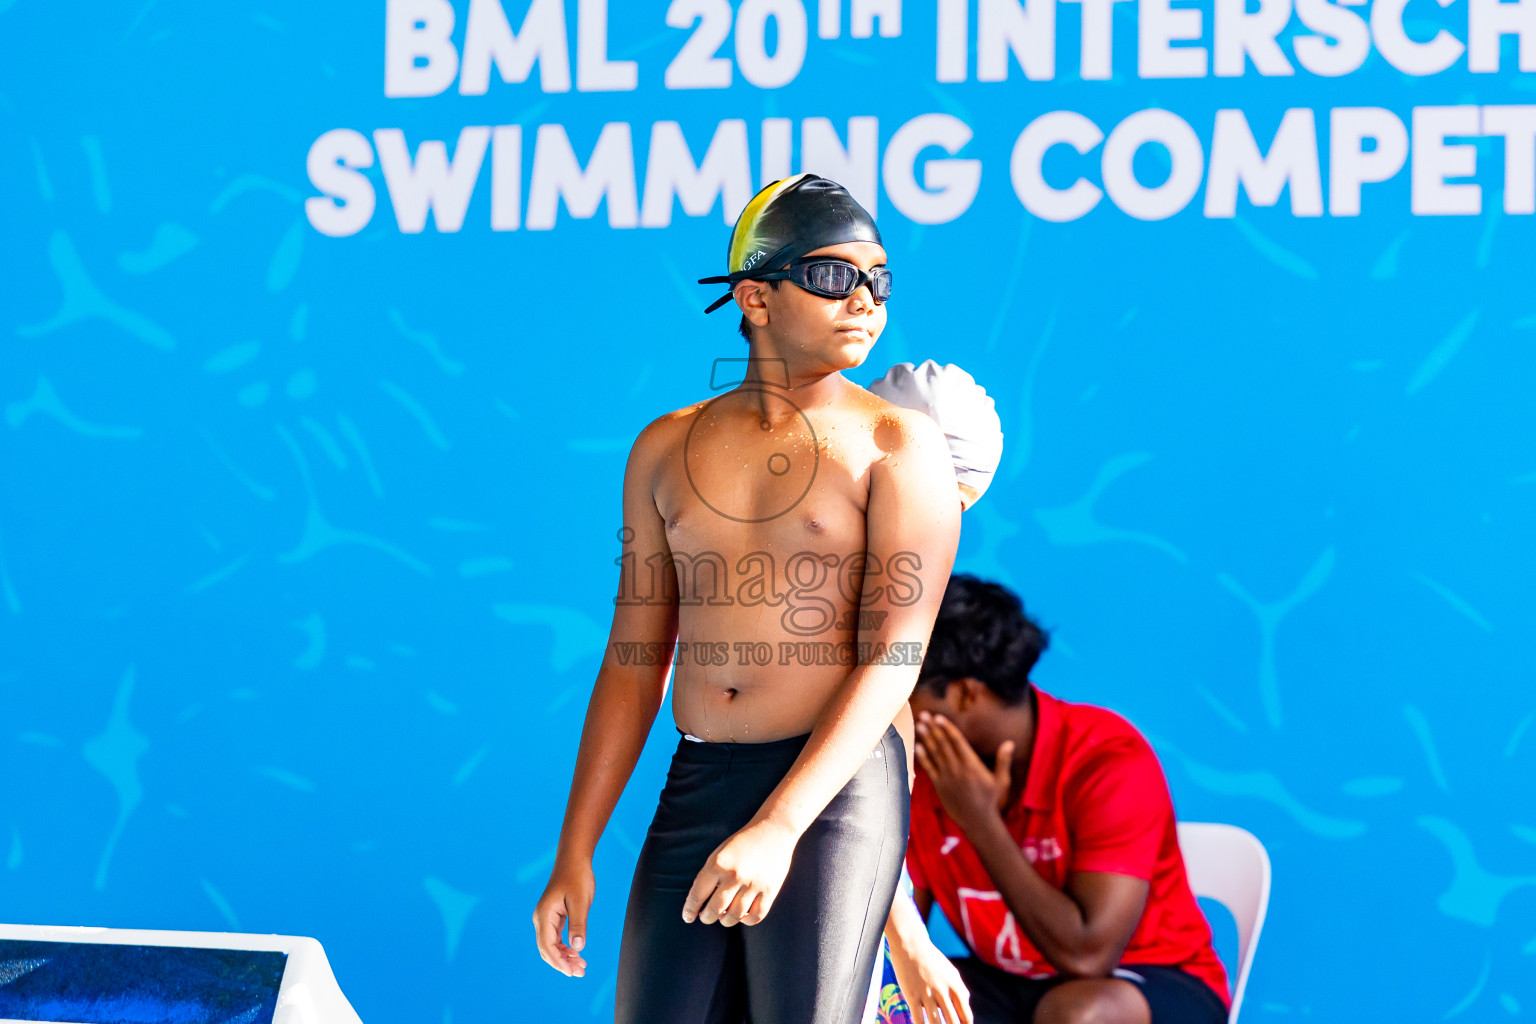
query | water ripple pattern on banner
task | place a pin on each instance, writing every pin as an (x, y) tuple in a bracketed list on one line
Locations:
[(1475, 893), (575, 634), (1077, 524), (221, 904), (989, 531), (170, 242), (319, 534), (115, 753), (452, 367), (1270, 615), (1263, 785), (1274, 252), (45, 401), (1021, 441), (455, 908), (82, 300)]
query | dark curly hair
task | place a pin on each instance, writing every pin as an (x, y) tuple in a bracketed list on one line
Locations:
[(982, 632)]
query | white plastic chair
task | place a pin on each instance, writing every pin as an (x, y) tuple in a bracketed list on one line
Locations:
[(1229, 865)]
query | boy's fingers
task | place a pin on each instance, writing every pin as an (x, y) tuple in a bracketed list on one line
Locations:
[(755, 912), (577, 923), (575, 965), (948, 763), (973, 761), (956, 739), (961, 751), (943, 751), (703, 885), (546, 933), (538, 936), (737, 908), (1002, 771), (717, 903), (962, 1004)]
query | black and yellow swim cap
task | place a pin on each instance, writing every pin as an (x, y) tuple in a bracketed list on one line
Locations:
[(787, 219)]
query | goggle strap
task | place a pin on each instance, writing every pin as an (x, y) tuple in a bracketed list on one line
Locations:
[(772, 275), (732, 279)]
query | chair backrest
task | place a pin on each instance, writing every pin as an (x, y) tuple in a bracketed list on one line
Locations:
[(1229, 865)]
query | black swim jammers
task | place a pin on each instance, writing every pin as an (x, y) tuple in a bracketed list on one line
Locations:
[(810, 959)]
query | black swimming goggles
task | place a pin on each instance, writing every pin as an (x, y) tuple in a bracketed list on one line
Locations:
[(827, 276)]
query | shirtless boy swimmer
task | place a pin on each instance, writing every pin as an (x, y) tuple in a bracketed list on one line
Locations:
[(793, 516)]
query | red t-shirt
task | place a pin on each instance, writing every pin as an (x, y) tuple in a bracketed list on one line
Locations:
[(1095, 800)]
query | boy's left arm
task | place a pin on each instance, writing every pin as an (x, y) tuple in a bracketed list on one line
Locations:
[(912, 531)]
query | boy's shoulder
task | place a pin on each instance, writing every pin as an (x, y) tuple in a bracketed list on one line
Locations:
[(892, 427), (666, 430), (896, 427), (678, 419)]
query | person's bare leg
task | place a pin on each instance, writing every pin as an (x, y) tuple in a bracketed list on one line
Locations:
[(1094, 1001)]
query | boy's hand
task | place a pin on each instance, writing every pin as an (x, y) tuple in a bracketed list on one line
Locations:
[(971, 793), (931, 986), (741, 879), (567, 898)]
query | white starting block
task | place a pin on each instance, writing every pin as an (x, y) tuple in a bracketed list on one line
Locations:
[(103, 975)]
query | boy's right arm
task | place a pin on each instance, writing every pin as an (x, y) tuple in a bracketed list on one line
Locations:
[(624, 703)]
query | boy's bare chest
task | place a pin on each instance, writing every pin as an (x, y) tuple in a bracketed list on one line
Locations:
[(777, 490)]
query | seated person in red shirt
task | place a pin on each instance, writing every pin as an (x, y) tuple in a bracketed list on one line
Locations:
[(1045, 831)]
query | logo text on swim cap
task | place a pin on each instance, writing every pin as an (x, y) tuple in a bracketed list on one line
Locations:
[(747, 264)]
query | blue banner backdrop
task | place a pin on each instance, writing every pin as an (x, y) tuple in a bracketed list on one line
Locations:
[(307, 504)]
